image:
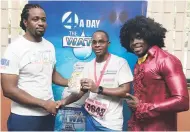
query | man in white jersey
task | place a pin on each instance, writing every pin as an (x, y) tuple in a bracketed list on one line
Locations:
[(107, 78), (27, 72)]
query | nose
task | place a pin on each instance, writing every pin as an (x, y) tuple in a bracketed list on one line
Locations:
[(134, 41), (41, 22), (97, 44)]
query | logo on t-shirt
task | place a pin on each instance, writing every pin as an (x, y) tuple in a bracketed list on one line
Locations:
[(4, 63), (110, 72), (42, 57)]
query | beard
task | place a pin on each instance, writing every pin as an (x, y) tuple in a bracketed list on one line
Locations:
[(39, 34)]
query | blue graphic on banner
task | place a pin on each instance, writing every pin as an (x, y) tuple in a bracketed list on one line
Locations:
[(70, 27), (70, 119)]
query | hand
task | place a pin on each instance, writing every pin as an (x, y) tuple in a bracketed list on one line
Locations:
[(89, 84), (51, 106), (132, 101), (59, 103)]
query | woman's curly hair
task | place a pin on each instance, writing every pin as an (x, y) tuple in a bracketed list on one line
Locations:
[(152, 32)]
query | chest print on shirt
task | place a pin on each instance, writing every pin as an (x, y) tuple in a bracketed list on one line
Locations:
[(42, 57), (109, 78), (110, 72)]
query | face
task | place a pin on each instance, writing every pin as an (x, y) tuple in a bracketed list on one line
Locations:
[(138, 45), (36, 22), (100, 43)]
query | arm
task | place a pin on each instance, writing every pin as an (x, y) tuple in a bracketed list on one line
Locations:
[(58, 79), (10, 90), (124, 77), (171, 70), (72, 98), (118, 92), (175, 79), (10, 64)]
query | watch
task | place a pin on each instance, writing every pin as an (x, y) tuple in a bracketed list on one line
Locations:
[(100, 90)]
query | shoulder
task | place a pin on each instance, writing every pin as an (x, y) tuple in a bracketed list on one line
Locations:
[(169, 64), (17, 42), (166, 57), (118, 60), (48, 43), (15, 46)]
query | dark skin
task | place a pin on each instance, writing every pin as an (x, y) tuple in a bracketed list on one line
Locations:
[(101, 51), (35, 28), (100, 44), (35, 25), (140, 47)]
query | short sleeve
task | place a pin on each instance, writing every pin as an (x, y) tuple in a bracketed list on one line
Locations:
[(125, 75), (10, 62)]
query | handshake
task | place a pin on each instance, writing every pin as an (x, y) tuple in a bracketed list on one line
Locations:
[(74, 86), (51, 106)]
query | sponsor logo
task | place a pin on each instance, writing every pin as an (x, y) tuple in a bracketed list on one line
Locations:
[(81, 44), (5, 62)]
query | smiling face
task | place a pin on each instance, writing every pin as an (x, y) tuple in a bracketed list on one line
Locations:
[(138, 45), (100, 43), (36, 22)]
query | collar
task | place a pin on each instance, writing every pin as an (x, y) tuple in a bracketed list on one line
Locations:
[(142, 59), (151, 52)]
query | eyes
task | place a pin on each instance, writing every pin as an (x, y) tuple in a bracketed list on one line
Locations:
[(101, 42), (36, 19), (137, 37)]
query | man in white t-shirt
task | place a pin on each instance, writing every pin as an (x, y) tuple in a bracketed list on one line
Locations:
[(27, 72), (107, 78)]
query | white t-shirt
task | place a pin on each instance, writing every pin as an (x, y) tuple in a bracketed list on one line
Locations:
[(117, 73), (33, 63)]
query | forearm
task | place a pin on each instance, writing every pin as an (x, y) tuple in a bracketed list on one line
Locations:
[(22, 97), (59, 80), (71, 98), (117, 92), (173, 104)]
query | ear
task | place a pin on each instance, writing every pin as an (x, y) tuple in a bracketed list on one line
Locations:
[(109, 43), (25, 23)]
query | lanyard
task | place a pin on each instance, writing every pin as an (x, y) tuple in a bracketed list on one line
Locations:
[(101, 73)]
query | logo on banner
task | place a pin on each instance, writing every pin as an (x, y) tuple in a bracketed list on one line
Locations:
[(71, 20), (81, 44)]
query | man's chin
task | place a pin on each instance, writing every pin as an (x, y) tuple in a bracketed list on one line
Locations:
[(40, 34), (139, 54), (98, 54)]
